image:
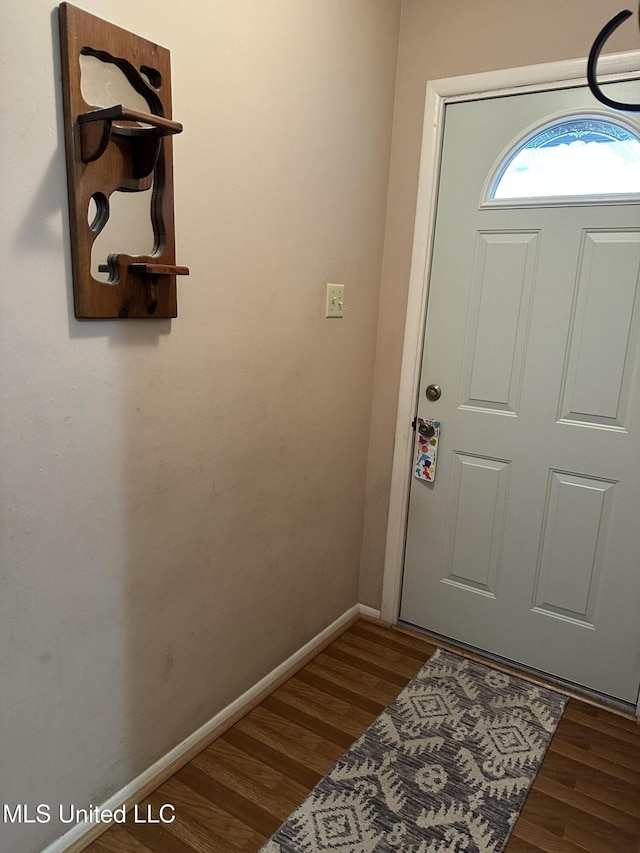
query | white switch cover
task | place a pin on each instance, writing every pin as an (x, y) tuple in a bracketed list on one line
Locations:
[(335, 300)]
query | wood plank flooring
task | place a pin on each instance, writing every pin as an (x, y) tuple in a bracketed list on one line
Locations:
[(234, 794)]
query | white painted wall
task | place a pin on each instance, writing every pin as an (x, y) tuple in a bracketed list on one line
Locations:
[(182, 502)]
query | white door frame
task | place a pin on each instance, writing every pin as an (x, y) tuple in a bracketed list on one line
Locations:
[(554, 75)]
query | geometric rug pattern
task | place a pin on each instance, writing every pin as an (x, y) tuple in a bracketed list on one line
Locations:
[(445, 768)]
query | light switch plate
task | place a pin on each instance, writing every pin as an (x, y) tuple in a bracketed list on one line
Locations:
[(335, 300)]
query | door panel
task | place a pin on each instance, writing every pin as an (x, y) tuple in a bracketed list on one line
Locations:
[(475, 525), (574, 530), (527, 545), (499, 310), (596, 390)]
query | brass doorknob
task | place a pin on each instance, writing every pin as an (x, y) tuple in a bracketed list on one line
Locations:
[(433, 392)]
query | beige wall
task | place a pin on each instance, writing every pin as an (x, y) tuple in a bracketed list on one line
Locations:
[(438, 40), (182, 502)]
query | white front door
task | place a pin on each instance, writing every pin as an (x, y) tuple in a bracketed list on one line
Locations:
[(527, 545)]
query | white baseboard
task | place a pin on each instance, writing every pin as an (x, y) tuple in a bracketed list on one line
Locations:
[(368, 612), (82, 834)]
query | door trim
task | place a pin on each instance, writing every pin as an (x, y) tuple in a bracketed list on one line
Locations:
[(532, 78)]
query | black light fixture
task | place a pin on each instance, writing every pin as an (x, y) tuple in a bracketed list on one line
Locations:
[(594, 53)]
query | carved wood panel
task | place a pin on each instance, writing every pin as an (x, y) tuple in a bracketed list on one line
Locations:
[(113, 148)]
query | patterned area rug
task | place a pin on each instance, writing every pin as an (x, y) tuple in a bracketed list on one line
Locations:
[(444, 769)]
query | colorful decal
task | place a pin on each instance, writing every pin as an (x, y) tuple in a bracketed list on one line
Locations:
[(428, 432)]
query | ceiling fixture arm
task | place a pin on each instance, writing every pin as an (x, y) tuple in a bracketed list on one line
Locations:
[(594, 54)]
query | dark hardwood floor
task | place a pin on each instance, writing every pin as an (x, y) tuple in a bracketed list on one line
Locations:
[(234, 794)]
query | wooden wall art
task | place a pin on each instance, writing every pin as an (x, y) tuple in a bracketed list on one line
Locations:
[(116, 151)]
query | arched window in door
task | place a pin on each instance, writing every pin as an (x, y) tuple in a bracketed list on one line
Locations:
[(573, 157)]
